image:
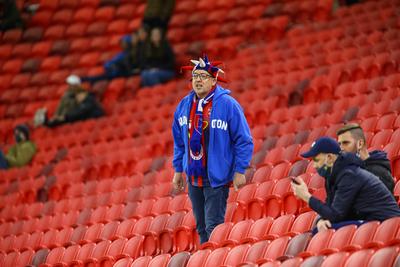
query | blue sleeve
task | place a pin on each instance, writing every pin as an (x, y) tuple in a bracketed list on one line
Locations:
[(179, 145), (342, 202), (114, 60), (241, 137)]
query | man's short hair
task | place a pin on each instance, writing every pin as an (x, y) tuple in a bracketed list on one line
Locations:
[(355, 130)]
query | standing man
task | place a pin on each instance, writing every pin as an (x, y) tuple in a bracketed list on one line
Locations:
[(352, 139), (212, 145), (353, 195)]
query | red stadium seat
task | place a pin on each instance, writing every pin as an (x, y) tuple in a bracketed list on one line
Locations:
[(217, 257), (359, 258), (238, 232), (339, 240), (165, 237), (317, 243), (384, 257), (385, 234), (179, 260), (274, 250), (160, 260), (236, 255), (142, 261), (150, 243), (54, 256), (220, 233)]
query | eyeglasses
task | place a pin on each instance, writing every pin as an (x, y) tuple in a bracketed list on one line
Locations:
[(202, 76)]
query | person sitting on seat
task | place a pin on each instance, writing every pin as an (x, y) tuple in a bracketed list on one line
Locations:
[(354, 195), (22, 152), (159, 59), (352, 139), (76, 104), (123, 64)]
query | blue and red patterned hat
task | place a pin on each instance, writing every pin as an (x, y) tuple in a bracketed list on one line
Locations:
[(206, 65)]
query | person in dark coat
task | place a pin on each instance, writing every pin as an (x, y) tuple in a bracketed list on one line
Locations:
[(158, 13), (352, 139), (87, 108), (354, 195), (159, 65), (123, 64)]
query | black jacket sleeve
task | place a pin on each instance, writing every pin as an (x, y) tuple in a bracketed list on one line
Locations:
[(345, 193), (383, 174), (87, 109)]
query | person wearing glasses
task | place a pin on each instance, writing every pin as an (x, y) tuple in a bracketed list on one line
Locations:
[(212, 145), (353, 194), (352, 139)]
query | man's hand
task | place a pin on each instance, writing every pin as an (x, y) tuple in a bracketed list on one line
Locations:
[(239, 180), (323, 225), (178, 182), (300, 189)]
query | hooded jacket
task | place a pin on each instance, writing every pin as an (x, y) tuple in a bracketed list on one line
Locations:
[(230, 145), (379, 165), (353, 193)]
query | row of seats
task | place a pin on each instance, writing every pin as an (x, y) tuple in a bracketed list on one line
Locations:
[(291, 251), (387, 256)]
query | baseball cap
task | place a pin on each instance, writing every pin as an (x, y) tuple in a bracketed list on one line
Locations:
[(322, 145), (73, 80)]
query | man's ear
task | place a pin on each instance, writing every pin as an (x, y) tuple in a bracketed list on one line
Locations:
[(360, 144)]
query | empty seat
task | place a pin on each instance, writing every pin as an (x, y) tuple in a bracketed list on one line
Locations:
[(179, 260), (165, 236), (54, 256), (385, 234), (274, 250), (115, 250), (160, 260), (236, 255), (239, 231), (384, 257), (150, 244), (258, 230), (359, 258), (141, 261), (220, 233), (217, 257)]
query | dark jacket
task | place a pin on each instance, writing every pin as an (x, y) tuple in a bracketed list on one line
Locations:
[(353, 193), (87, 109), (160, 57), (161, 9), (379, 164)]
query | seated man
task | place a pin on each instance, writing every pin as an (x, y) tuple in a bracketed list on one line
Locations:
[(123, 64), (22, 152), (87, 107), (76, 104), (354, 195), (351, 139), (159, 60)]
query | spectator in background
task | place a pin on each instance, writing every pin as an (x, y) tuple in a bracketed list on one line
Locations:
[(10, 15), (352, 139), (159, 61), (354, 195), (22, 152), (123, 64), (143, 40), (158, 13), (76, 104)]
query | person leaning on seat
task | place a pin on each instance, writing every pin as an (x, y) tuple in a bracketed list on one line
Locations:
[(352, 139), (354, 195)]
